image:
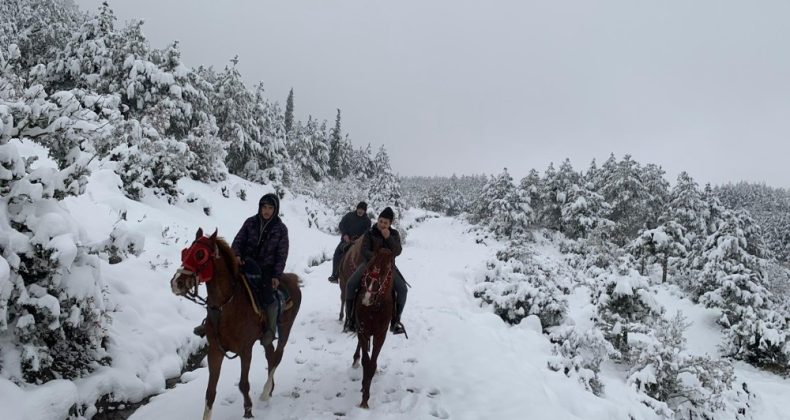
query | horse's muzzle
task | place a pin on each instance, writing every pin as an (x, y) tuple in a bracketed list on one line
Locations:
[(183, 280)]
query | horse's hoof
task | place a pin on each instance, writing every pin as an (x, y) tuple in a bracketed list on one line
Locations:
[(355, 365), (364, 405), (248, 414)]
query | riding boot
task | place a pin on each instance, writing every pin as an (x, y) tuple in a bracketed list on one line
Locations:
[(350, 325), (200, 330), (396, 327), (272, 310)]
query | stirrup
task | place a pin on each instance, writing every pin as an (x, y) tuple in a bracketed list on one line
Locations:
[(398, 328)]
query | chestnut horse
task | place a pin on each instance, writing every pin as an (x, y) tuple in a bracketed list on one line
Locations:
[(374, 305), (348, 264), (232, 324)]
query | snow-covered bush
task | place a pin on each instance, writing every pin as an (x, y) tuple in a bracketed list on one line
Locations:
[(519, 287), (579, 354), (121, 243), (696, 386), (625, 304)]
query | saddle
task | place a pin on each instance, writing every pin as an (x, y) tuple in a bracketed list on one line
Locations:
[(253, 285)]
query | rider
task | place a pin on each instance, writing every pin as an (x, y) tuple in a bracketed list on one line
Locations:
[(261, 248), (381, 235), (352, 226)]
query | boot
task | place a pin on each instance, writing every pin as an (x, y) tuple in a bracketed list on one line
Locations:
[(200, 330), (332, 278), (396, 327), (350, 325), (271, 324)]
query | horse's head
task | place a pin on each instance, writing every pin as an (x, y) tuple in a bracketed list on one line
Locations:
[(197, 264), (382, 262)]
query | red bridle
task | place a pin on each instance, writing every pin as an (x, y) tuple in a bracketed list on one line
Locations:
[(197, 259)]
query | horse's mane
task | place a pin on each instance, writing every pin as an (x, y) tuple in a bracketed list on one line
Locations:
[(228, 255), (356, 249)]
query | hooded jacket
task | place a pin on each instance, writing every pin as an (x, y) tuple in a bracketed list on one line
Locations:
[(266, 242), (353, 225)]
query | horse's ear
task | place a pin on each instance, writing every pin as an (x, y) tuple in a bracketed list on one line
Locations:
[(199, 234), (214, 235)]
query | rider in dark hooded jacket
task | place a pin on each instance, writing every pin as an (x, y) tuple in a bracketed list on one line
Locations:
[(261, 247)]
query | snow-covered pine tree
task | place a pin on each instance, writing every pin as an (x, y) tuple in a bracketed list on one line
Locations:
[(657, 193), (53, 312), (623, 189), (39, 29), (659, 245), (289, 112), (273, 155), (503, 208), (687, 208), (87, 61), (584, 212), (336, 150), (697, 386), (234, 109), (625, 304), (385, 187), (532, 185)]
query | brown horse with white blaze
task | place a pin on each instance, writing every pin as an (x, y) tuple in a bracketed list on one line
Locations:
[(232, 325), (374, 305)]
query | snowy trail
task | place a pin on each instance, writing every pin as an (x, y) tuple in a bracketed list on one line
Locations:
[(461, 362)]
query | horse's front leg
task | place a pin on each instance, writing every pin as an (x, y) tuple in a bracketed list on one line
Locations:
[(273, 358), (355, 364), (244, 382), (370, 365), (214, 367), (342, 300), (363, 346), (342, 308)]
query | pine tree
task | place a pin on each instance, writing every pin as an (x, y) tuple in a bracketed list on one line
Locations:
[(57, 328), (336, 149), (289, 112), (623, 189), (659, 245), (730, 276), (385, 187), (234, 107), (503, 208)]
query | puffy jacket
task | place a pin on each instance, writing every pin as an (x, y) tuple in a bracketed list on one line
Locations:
[(266, 242)]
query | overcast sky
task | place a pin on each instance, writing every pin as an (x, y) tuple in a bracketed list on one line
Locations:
[(456, 86)]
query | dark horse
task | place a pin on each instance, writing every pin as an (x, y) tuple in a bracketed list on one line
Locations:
[(351, 260), (374, 305), (233, 323)]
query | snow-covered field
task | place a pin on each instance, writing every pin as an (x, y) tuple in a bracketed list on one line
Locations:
[(461, 361)]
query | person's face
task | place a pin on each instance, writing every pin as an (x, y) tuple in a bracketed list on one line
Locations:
[(360, 212), (267, 211), (383, 223)]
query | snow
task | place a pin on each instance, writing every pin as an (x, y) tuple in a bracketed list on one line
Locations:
[(461, 361)]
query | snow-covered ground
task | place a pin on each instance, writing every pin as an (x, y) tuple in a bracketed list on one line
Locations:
[(461, 361), (703, 337)]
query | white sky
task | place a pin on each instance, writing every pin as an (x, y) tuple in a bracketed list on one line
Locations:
[(474, 86)]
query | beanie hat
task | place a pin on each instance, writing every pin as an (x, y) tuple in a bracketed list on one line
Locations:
[(362, 205), (387, 214)]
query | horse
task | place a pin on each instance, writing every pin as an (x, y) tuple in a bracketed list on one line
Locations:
[(374, 307), (233, 322), (348, 264)]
